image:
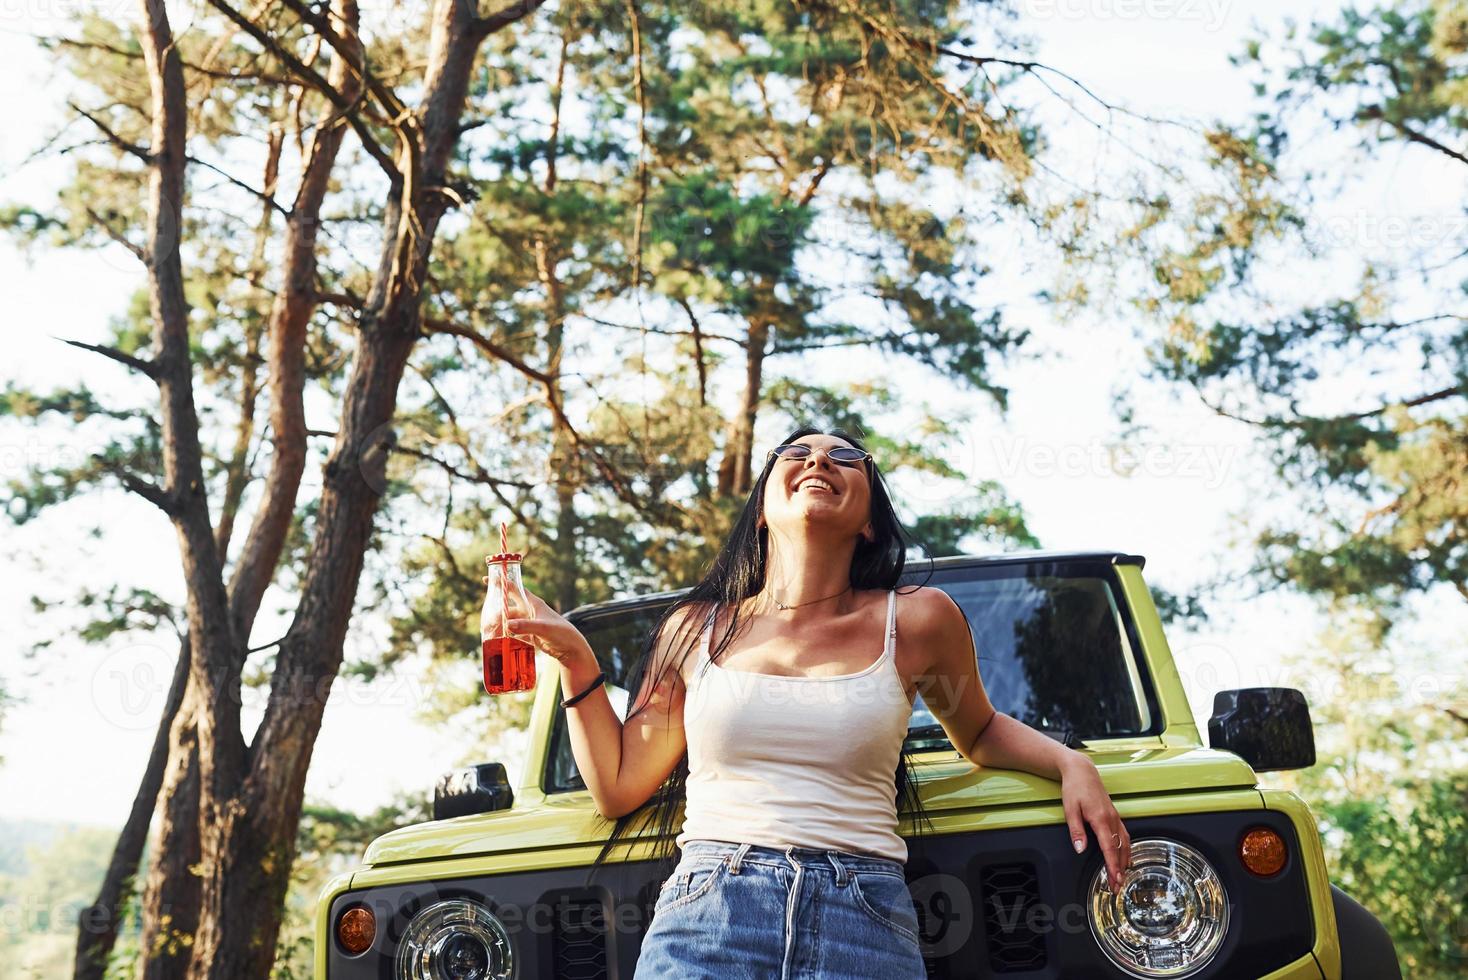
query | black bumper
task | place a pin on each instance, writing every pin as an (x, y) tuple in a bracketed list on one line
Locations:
[(1002, 903)]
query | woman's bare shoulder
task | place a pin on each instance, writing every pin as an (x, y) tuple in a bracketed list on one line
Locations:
[(918, 598), (681, 635), (924, 599), (926, 613)]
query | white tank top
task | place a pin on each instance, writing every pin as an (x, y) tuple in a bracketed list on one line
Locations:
[(804, 761)]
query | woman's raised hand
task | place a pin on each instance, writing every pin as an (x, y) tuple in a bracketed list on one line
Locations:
[(548, 630)]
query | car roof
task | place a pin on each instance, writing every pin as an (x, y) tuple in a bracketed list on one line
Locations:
[(920, 565)]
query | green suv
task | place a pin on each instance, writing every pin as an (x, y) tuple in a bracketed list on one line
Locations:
[(1228, 879)]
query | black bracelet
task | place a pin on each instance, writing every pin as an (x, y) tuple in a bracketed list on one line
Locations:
[(594, 685)]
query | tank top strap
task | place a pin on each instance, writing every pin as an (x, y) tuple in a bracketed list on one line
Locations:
[(705, 637), (891, 623)]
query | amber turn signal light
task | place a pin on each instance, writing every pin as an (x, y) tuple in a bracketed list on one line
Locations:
[(356, 929), (1262, 851)]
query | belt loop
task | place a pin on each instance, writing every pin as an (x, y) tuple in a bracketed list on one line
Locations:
[(840, 868), (739, 853)]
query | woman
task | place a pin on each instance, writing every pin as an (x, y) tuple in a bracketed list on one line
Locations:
[(787, 732)]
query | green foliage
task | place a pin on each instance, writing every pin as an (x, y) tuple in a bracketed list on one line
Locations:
[(48, 873), (987, 516), (116, 609), (1392, 853), (1390, 786), (1381, 475), (756, 171), (1179, 610)]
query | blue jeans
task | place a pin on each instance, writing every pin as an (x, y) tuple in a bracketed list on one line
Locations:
[(748, 912)]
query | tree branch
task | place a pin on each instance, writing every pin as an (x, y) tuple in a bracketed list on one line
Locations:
[(815, 183), (222, 75), (136, 363), (489, 347), (290, 315), (613, 478), (504, 17), (1304, 420), (636, 23), (703, 334), (1427, 399), (314, 79), (150, 492), (140, 253), (479, 476), (355, 57), (697, 351), (125, 145), (1412, 135), (341, 299), (264, 198)]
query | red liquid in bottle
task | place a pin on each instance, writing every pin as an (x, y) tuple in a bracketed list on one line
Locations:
[(509, 661), (509, 665)]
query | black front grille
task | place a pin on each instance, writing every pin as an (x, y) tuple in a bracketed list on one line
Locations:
[(580, 940), (1010, 892)]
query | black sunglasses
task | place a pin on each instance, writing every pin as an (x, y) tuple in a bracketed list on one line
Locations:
[(844, 455)]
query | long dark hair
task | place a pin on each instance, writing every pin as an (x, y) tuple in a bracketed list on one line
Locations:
[(737, 573)]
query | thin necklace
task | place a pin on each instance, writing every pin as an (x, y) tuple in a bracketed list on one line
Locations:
[(799, 604)]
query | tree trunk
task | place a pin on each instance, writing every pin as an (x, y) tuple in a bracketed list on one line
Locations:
[(174, 894), (171, 896), (213, 643), (238, 467), (735, 477), (564, 464), (249, 816), (564, 469), (99, 922)]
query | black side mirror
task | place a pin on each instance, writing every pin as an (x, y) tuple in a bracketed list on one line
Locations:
[(477, 789), (1268, 727)]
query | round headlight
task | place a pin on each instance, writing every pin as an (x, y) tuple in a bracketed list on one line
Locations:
[(455, 940), (1169, 916)]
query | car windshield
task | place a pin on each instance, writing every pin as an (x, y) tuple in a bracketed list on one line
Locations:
[(1055, 645)]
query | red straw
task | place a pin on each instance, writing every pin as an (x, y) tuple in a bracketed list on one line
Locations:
[(504, 538)]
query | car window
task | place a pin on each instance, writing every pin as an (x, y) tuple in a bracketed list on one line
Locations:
[(1055, 650)]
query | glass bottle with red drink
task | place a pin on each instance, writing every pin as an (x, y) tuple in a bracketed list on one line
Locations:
[(509, 660)]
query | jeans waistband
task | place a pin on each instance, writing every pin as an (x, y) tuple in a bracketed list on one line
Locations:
[(785, 857)]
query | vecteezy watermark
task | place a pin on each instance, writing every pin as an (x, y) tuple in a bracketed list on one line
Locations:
[(1370, 229), (18, 459), (947, 912), (1415, 688), (130, 684), (1207, 668), (945, 925), (871, 686), (45, 914), (1205, 462), (943, 913), (36, 10), (1210, 12)]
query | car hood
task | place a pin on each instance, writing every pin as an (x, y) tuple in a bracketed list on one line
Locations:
[(949, 783)]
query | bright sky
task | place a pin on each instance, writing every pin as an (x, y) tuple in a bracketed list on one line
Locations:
[(75, 748)]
